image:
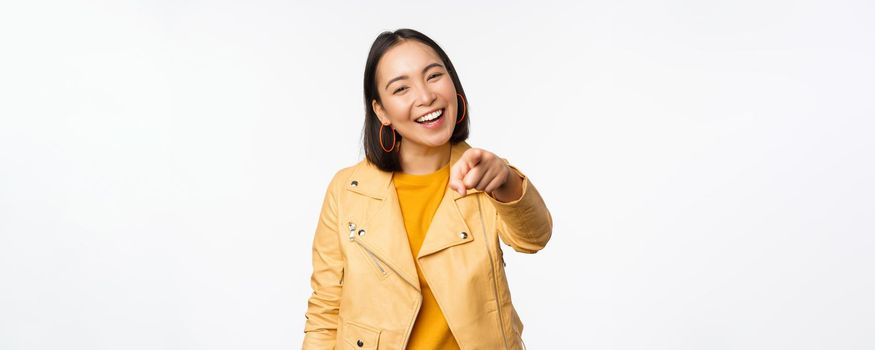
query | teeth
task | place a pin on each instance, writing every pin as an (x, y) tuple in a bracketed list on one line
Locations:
[(430, 116)]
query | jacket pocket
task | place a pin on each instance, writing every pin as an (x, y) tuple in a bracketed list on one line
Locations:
[(359, 336)]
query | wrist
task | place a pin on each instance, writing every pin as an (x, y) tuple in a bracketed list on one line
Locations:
[(511, 189)]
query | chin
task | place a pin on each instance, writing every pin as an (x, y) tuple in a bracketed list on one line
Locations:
[(443, 140), (433, 142)]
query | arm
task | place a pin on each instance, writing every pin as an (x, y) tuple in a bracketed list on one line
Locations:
[(522, 219), (324, 304), (524, 223)]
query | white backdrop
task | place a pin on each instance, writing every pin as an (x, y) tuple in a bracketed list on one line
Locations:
[(708, 165)]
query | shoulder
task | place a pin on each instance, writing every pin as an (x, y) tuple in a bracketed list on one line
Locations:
[(344, 174)]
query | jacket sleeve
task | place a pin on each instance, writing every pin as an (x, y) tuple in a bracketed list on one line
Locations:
[(524, 224), (320, 328)]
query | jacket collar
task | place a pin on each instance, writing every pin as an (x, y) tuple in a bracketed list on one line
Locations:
[(376, 183)]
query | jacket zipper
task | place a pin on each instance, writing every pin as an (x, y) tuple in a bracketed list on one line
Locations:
[(370, 254), (494, 276), (374, 259)]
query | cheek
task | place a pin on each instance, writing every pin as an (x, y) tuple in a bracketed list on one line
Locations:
[(448, 93), (397, 108), (446, 88)]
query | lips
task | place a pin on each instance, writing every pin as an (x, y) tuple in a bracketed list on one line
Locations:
[(434, 124)]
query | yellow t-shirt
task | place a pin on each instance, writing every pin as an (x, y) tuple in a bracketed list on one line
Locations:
[(420, 196)]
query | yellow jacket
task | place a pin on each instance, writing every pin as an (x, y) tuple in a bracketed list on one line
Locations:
[(366, 292)]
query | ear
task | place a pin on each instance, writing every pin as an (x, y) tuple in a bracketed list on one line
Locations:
[(378, 110)]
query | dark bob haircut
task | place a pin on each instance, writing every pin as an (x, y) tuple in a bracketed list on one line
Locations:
[(390, 161)]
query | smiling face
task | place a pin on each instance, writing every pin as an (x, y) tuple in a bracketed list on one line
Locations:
[(413, 82)]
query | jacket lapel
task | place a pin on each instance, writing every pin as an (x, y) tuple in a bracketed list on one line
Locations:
[(448, 226)]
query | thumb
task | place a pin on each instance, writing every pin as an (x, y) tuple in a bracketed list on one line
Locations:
[(459, 170), (456, 176), (455, 187)]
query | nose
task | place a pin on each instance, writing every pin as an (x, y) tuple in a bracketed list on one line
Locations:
[(426, 97)]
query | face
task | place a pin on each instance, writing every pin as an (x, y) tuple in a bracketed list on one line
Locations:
[(413, 82)]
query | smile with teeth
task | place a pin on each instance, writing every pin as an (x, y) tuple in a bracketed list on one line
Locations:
[(430, 117)]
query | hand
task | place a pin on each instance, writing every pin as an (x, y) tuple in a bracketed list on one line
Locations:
[(485, 171)]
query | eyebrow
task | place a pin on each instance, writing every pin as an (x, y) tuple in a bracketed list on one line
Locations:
[(405, 77)]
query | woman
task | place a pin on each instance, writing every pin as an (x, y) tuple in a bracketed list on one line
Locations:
[(406, 253)]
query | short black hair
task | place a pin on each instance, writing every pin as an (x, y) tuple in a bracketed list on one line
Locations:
[(390, 161)]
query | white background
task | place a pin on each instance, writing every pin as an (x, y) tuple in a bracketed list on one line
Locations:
[(708, 165)]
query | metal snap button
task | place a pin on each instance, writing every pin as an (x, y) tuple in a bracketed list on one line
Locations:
[(354, 183), (361, 232), (360, 343), (463, 234)]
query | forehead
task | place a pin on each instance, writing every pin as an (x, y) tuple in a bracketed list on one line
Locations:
[(408, 57)]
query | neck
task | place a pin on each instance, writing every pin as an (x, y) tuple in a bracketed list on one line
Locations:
[(418, 159)]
